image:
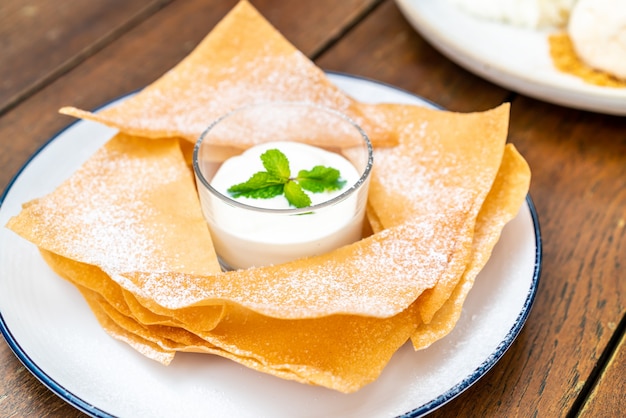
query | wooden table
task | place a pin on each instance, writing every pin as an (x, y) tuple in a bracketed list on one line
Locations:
[(570, 357)]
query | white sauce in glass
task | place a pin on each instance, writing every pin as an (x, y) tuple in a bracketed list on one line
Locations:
[(246, 237)]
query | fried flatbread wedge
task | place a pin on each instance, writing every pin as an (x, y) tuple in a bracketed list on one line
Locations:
[(343, 352), (445, 164), (502, 204), (443, 160), (243, 60), (433, 130), (132, 206), (378, 276)]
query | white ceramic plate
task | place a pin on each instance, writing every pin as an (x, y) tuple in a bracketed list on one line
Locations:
[(515, 58), (52, 331)]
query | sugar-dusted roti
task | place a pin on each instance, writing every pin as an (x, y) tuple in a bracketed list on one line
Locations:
[(333, 320), (444, 166), (132, 206), (501, 205), (243, 60)]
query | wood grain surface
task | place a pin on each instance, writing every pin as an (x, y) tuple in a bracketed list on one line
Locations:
[(59, 36), (386, 48), (607, 396), (570, 357)]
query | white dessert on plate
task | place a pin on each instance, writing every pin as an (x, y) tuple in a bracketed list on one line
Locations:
[(597, 29), (247, 237)]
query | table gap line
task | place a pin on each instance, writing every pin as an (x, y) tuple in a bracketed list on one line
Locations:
[(511, 97), (87, 52), (594, 376)]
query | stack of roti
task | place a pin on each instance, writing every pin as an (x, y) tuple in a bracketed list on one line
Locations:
[(127, 229)]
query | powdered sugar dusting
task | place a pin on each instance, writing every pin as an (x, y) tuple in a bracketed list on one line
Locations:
[(433, 169), (185, 101), (377, 277), (107, 213)]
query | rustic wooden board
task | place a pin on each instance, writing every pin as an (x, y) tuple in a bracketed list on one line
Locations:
[(392, 52), (578, 161), (608, 398), (60, 35)]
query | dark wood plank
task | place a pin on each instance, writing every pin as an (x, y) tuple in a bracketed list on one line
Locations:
[(386, 48), (42, 39), (331, 20), (135, 59), (608, 398)]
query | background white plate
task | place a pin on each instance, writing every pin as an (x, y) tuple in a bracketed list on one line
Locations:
[(52, 331), (515, 58)]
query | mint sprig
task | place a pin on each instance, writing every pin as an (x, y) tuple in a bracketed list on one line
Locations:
[(277, 180)]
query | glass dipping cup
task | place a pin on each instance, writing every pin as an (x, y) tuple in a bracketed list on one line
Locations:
[(246, 236)]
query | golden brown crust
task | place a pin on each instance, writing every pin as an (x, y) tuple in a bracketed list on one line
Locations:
[(243, 60)]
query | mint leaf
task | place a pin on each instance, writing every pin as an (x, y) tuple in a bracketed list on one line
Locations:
[(320, 179), (277, 180), (262, 185), (296, 196), (276, 163)]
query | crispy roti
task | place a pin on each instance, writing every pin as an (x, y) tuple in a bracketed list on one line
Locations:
[(132, 206), (243, 60), (362, 300)]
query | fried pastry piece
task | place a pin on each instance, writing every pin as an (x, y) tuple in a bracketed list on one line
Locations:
[(502, 204), (444, 165), (132, 206), (243, 60), (378, 276), (341, 352), (396, 200), (442, 161)]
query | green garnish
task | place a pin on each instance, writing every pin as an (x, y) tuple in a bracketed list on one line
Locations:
[(277, 180)]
